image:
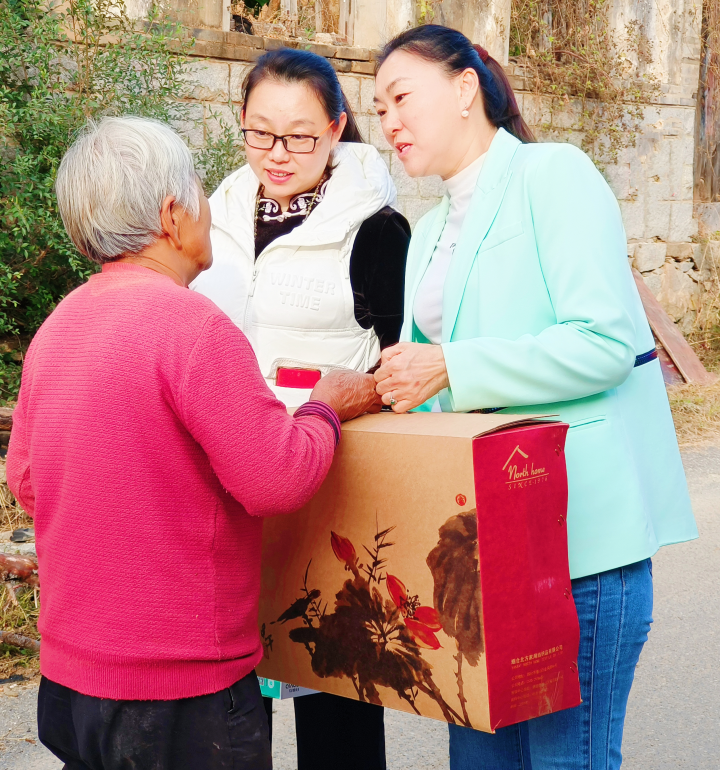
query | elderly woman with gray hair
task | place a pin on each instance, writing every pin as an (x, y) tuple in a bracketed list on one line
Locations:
[(143, 420)]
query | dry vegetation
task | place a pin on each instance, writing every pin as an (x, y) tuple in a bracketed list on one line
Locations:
[(696, 412), (696, 408), (12, 515), (21, 616)]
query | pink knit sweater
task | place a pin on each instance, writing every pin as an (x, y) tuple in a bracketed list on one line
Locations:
[(147, 447)]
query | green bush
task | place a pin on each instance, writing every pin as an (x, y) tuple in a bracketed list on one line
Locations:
[(60, 66)]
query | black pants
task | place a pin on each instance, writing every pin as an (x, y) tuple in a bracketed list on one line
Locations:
[(227, 730), (335, 733)]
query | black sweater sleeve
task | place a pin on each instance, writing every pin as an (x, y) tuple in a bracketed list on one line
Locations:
[(377, 273)]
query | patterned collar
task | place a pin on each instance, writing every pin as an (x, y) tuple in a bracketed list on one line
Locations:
[(269, 210)]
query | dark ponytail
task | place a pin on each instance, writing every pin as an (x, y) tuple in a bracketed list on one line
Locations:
[(453, 51), (290, 65)]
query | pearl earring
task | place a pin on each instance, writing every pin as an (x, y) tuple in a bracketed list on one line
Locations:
[(465, 113)]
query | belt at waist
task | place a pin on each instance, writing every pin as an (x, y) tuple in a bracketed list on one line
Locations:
[(643, 358)]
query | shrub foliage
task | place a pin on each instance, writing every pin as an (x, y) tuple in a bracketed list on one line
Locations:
[(60, 66)]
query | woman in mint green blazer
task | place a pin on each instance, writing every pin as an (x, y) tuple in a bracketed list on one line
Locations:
[(528, 294)]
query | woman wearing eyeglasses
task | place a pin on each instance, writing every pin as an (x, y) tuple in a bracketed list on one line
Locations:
[(309, 261)]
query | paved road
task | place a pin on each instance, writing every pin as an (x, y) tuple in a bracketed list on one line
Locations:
[(674, 711)]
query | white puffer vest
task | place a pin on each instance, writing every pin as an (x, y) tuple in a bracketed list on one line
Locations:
[(295, 302)]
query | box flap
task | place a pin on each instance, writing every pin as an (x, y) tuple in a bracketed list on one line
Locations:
[(454, 425)]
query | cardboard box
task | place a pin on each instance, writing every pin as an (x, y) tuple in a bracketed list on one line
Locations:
[(271, 688), (430, 572)]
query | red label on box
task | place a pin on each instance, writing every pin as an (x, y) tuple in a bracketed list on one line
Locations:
[(531, 627), (297, 378)]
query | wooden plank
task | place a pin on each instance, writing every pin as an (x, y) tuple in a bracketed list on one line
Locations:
[(670, 372), (671, 338)]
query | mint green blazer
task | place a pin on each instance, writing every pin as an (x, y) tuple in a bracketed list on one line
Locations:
[(541, 315)]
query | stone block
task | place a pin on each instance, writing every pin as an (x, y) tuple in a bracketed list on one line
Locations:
[(618, 177), (687, 323), (238, 73), (708, 218), (683, 251), (367, 94), (386, 155), (688, 118), (414, 208), (683, 225), (649, 256), (678, 292), (363, 67), (213, 50), (658, 163), (432, 187), (240, 38), (241, 53), (328, 51), (376, 136), (218, 116), (273, 43), (209, 81), (363, 124), (406, 186), (341, 65), (654, 282), (687, 180), (351, 89), (633, 216), (191, 126), (707, 260), (352, 53), (566, 118), (657, 220), (209, 35)]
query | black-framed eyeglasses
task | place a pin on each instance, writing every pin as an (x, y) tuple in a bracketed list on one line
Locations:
[(295, 143)]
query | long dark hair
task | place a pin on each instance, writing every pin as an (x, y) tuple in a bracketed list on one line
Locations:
[(290, 65), (455, 53)]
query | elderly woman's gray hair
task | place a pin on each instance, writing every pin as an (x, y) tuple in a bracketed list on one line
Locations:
[(113, 180)]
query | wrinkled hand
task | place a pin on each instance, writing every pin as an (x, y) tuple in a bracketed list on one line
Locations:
[(349, 393), (411, 373)]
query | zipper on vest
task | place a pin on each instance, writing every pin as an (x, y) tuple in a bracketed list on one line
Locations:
[(254, 279)]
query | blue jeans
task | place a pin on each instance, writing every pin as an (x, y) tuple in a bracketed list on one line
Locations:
[(615, 613)]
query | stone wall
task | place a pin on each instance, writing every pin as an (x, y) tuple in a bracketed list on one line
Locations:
[(220, 80), (653, 180)]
